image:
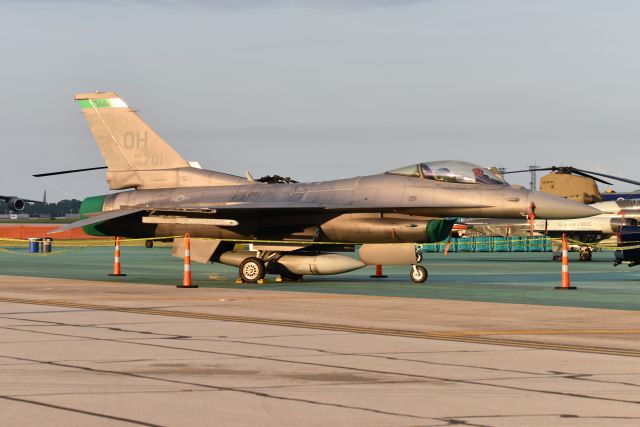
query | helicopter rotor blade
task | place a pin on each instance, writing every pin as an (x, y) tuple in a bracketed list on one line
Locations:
[(39, 175), (617, 178), (581, 172), (588, 175), (529, 170)]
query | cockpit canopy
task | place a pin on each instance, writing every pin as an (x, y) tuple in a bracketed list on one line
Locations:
[(451, 171)]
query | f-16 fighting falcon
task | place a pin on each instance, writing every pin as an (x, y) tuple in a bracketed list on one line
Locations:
[(294, 228)]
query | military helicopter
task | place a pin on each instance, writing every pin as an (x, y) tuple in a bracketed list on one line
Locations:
[(578, 184), (618, 211)]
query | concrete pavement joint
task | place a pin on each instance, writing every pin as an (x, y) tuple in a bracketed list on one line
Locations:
[(333, 327), (79, 411), (288, 361)]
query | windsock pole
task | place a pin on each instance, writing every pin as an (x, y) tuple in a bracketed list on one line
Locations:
[(186, 276), (566, 282), (116, 260)]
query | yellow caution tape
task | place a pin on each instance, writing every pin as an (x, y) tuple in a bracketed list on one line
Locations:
[(603, 246), (523, 243)]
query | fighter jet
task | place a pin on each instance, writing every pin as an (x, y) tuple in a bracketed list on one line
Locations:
[(294, 228), (583, 233), (602, 229)]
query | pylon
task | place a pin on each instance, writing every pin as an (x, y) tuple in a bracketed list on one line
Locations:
[(566, 282), (186, 276), (378, 274), (116, 260)]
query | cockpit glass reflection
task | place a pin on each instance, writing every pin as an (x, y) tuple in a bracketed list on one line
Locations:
[(452, 171)]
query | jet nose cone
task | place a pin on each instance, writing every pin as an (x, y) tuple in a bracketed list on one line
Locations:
[(548, 206)]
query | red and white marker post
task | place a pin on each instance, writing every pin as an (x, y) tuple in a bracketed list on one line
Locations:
[(566, 282), (116, 260), (186, 276)]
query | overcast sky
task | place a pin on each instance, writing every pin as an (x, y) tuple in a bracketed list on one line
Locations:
[(323, 89)]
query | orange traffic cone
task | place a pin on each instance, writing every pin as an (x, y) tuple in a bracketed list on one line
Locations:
[(378, 274), (186, 277), (116, 260), (566, 282)]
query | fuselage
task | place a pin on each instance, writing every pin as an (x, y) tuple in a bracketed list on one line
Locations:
[(381, 208)]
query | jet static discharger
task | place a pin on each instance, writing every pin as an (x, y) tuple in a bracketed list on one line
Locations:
[(294, 228)]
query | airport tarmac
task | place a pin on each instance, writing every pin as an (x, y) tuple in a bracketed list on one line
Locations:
[(519, 277), (320, 352)]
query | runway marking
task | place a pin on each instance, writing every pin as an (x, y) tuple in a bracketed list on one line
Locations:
[(476, 337)]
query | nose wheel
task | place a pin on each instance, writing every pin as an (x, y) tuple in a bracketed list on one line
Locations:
[(251, 270), (418, 274)]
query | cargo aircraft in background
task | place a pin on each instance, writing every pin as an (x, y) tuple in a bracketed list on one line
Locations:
[(295, 229), (16, 204)]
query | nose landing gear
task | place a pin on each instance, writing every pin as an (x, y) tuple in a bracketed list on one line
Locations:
[(418, 274)]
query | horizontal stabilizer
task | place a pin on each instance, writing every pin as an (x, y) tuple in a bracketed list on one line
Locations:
[(97, 219), (40, 175)]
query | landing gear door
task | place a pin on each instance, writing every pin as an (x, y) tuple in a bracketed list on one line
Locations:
[(201, 250)]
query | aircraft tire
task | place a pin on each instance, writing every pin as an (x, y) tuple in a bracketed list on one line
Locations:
[(148, 244), (418, 274), (585, 255), (251, 270)]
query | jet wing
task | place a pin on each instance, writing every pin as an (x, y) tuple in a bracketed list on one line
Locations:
[(7, 198), (96, 219), (240, 209)]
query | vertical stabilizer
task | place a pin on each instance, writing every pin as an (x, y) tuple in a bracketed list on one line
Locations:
[(126, 142)]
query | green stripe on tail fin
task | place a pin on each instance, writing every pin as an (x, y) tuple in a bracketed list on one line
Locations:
[(126, 142)]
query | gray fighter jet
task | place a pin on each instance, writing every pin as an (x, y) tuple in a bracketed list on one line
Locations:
[(296, 228)]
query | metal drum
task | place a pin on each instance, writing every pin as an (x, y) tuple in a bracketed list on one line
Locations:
[(34, 245)]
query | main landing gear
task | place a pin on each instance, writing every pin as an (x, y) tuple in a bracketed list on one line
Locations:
[(585, 254), (252, 269)]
